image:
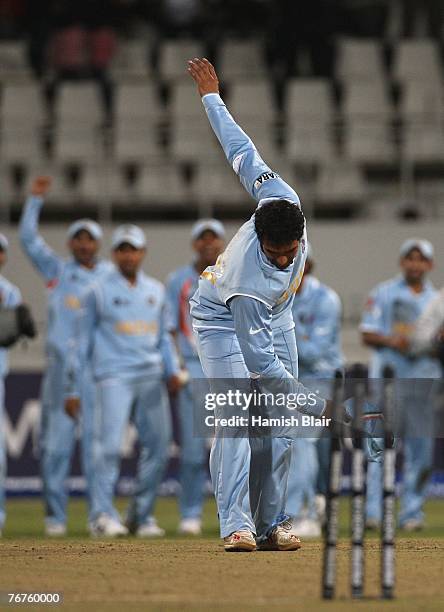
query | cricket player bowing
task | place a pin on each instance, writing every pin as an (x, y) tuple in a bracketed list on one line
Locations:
[(65, 281), (242, 316), (122, 330), (10, 297)]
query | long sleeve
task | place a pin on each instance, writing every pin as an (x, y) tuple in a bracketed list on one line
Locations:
[(255, 175), (47, 262), (172, 298), (166, 345), (80, 346), (252, 321), (313, 347)]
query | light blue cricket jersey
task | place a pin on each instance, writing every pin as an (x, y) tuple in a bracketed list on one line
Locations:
[(66, 280), (122, 329), (392, 308), (180, 286), (10, 297), (317, 317), (243, 269)]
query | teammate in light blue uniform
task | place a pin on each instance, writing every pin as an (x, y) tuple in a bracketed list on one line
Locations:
[(65, 280), (317, 317), (208, 241), (392, 310), (122, 330), (243, 319), (10, 297)]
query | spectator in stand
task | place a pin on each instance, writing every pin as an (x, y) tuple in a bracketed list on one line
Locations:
[(83, 44)]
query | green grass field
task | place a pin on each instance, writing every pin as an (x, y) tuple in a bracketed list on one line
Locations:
[(180, 573), (25, 519)]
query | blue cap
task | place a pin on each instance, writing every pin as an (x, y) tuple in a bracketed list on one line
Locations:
[(204, 225), (87, 225), (129, 234), (424, 247), (4, 244)]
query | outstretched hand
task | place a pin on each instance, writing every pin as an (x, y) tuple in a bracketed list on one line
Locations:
[(41, 185), (202, 71)]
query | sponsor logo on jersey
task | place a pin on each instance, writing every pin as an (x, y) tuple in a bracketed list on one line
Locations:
[(136, 328), (266, 176)]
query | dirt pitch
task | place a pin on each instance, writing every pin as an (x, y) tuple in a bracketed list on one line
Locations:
[(198, 575)]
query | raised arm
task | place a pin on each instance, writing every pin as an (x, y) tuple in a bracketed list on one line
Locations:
[(255, 175), (47, 262)]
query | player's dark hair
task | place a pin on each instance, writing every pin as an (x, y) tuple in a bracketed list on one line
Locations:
[(279, 222)]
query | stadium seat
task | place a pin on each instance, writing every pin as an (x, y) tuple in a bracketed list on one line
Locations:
[(422, 101), (174, 55), (241, 59), (20, 145), (78, 146), (310, 143), (369, 142), (359, 60), (185, 101), (136, 143), (22, 104), (103, 184), (340, 182), (130, 61), (366, 101), (310, 99), (13, 60), (418, 60), (136, 102), (422, 143), (218, 184), (252, 100), (193, 142), (79, 104), (161, 184)]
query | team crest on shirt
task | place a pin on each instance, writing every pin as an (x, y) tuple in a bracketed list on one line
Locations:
[(118, 301), (151, 300)]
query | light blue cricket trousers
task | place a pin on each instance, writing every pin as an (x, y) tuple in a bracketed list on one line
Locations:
[(57, 438), (416, 412), (146, 400), (193, 451), (249, 475)]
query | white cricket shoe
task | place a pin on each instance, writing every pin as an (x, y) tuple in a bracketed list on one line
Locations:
[(107, 527), (240, 541), (150, 529), (190, 526), (281, 538), (308, 528), (55, 530)]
